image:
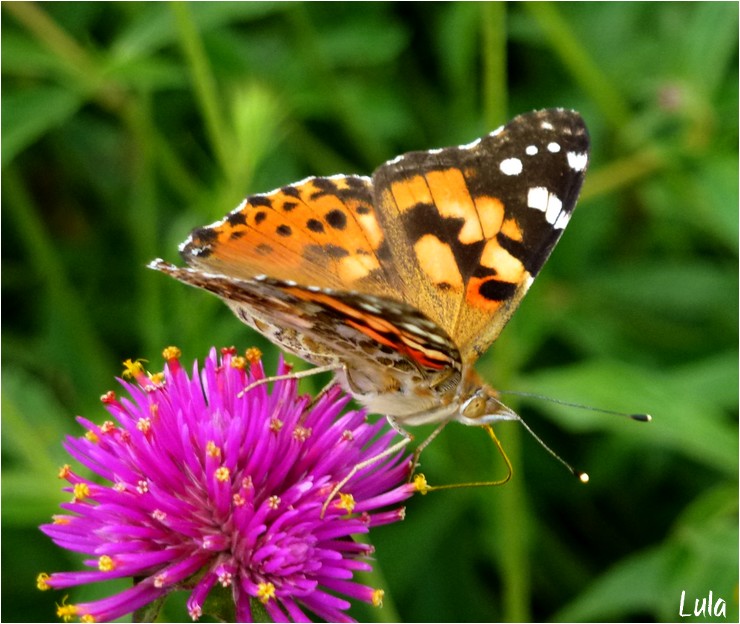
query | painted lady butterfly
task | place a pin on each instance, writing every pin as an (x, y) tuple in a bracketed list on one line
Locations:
[(399, 282)]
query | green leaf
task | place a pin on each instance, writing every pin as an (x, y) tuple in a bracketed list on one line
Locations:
[(30, 113), (700, 554), (153, 27), (23, 56), (631, 586), (685, 422), (358, 43)]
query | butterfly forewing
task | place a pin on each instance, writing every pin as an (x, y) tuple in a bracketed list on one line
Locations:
[(470, 227), (320, 232)]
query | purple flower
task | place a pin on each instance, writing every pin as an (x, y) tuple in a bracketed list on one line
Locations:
[(206, 485)]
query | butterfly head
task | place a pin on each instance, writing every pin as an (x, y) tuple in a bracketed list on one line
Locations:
[(482, 407)]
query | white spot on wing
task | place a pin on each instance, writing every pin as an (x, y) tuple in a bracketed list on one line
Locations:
[(511, 166), (531, 150), (539, 198), (546, 125), (470, 145), (554, 209), (562, 220), (553, 147), (577, 160), (299, 183)]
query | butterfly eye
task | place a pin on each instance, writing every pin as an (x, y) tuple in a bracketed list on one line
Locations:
[(475, 406)]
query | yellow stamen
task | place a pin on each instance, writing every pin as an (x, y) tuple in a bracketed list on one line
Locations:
[(301, 433), (64, 471), (58, 519), (346, 501), (253, 354), (81, 491), (144, 425), (222, 474), (377, 598), (171, 353), (41, 581), (91, 436), (212, 450), (106, 563), (88, 618), (420, 482), (273, 502), (132, 368), (157, 378), (238, 362), (276, 425), (265, 591), (66, 611)]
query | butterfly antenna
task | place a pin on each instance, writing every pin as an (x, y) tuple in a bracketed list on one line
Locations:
[(530, 395), (582, 476)]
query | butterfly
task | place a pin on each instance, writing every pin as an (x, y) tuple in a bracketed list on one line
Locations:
[(399, 282)]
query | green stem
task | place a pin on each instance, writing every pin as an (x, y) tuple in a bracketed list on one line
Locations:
[(493, 26), (80, 65), (51, 36), (515, 564), (621, 173), (514, 560), (577, 60), (88, 360), (142, 223), (204, 83), (361, 137)]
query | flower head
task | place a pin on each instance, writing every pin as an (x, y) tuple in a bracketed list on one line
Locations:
[(207, 485)]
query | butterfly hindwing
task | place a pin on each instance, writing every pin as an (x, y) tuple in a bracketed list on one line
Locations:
[(386, 341)]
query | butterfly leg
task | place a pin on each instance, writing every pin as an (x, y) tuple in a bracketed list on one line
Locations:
[(364, 464), (423, 487), (317, 370), (423, 445)]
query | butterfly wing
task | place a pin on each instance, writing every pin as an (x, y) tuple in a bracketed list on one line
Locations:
[(405, 277), (388, 347), (319, 232), (307, 266), (469, 227)]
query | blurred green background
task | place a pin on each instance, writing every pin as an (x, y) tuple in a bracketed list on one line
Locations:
[(125, 125)]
